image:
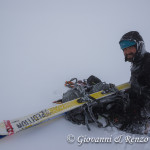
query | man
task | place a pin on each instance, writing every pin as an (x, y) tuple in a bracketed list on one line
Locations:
[(133, 47), (129, 111)]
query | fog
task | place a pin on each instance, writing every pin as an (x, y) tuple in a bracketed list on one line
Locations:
[(43, 43)]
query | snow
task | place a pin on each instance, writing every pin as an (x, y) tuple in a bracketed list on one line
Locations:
[(44, 43)]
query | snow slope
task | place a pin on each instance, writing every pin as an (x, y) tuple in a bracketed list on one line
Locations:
[(44, 43)]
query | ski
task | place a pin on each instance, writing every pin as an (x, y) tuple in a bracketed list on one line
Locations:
[(10, 127)]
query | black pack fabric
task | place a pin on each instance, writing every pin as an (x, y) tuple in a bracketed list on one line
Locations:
[(92, 80), (114, 105), (77, 116)]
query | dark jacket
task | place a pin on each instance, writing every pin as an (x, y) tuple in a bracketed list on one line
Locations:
[(140, 76)]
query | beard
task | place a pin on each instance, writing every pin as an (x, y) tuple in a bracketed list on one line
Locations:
[(130, 59)]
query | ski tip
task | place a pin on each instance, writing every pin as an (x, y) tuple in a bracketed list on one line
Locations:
[(58, 101)]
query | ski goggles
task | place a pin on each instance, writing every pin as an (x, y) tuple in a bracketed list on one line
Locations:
[(125, 44)]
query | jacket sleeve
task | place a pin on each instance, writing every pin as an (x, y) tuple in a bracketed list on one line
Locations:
[(144, 77)]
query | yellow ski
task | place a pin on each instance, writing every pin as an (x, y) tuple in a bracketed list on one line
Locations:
[(9, 127)]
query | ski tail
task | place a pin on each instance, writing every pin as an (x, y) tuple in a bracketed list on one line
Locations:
[(2, 136), (3, 130)]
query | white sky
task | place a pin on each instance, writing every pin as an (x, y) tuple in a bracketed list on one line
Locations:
[(43, 43)]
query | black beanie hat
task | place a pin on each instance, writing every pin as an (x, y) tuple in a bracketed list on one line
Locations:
[(133, 36)]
